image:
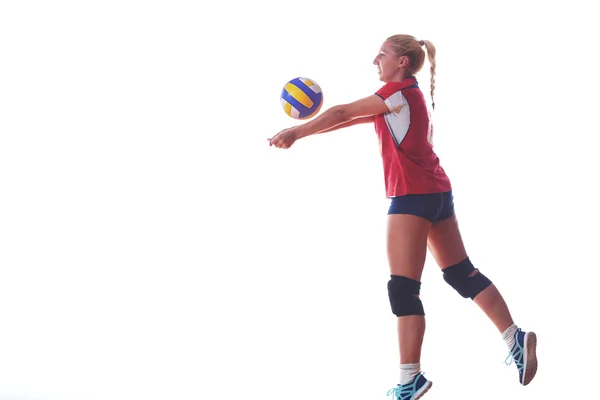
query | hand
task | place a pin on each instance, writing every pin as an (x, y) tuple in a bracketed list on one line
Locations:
[(284, 139)]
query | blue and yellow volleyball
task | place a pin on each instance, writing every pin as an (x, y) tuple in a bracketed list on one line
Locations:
[(301, 98)]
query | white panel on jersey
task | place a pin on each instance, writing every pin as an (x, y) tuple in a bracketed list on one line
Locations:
[(396, 101), (398, 119)]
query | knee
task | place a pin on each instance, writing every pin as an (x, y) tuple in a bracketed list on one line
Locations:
[(403, 293), (465, 279)]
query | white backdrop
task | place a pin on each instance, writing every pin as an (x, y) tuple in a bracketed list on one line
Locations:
[(153, 246)]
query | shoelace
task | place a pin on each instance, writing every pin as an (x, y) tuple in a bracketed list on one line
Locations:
[(396, 392), (406, 389), (515, 354), (518, 354)]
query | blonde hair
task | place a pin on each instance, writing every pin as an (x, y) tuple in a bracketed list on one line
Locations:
[(407, 45)]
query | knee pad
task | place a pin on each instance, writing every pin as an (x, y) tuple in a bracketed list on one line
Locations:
[(458, 277), (402, 291)]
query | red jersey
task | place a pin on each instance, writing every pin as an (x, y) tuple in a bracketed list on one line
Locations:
[(410, 165)]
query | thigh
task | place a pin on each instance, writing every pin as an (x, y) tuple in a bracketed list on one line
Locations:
[(445, 242), (407, 244)]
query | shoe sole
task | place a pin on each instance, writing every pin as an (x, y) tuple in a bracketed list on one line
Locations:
[(424, 390), (530, 358)]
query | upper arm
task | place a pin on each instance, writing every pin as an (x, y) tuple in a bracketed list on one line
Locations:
[(365, 107)]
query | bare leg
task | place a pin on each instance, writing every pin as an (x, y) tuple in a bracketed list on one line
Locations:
[(411, 330), (493, 305), (447, 247), (407, 249)]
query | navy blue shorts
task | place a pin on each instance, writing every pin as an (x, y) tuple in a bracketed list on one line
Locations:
[(433, 207)]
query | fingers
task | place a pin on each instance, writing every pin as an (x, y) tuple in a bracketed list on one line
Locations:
[(274, 140), (284, 139), (279, 143)]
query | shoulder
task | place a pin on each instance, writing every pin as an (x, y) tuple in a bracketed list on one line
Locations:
[(389, 89), (391, 94)]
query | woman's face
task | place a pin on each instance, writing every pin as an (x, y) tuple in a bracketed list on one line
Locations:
[(389, 65)]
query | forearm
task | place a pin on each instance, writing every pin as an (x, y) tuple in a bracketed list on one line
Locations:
[(327, 121), (356, 121)]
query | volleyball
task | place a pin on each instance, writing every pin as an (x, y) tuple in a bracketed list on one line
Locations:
[(301, 98)]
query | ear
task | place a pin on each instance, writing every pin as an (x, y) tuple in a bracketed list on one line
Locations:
[(403, 62)]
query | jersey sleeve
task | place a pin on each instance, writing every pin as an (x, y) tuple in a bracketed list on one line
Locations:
[(392, 96)]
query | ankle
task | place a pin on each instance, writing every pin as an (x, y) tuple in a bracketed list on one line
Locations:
[(408, 372), (509, 335)]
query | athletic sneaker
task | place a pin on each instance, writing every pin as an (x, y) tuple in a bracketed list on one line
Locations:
[(412, 390), (523, 354)]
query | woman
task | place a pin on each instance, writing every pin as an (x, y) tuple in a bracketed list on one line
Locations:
[(421, 213)]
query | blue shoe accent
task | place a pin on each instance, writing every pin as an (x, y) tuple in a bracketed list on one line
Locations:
[(412, 390), (523, 354)]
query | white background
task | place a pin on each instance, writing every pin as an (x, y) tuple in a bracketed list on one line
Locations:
[(153, 246)]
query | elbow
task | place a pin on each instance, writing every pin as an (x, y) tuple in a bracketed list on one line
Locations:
[(341, 114)]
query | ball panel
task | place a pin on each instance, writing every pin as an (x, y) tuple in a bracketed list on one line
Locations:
[(298, 94)]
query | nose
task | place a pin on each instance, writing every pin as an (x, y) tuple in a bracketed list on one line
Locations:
[(375, 60)]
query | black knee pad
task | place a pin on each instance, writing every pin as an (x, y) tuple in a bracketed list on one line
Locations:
[(402, 291), (457, 276)]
